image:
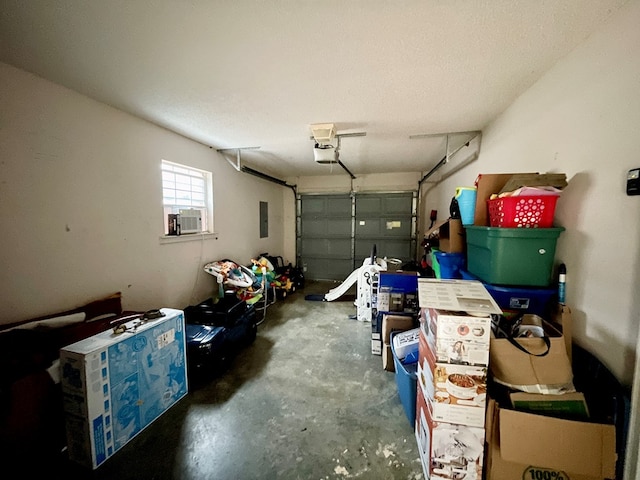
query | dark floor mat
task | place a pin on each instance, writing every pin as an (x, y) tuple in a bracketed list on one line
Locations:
[(315, 297)]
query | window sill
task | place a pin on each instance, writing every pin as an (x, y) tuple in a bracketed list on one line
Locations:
[(188, 237)]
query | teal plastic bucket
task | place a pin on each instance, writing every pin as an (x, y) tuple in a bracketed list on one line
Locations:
[(466, 198)]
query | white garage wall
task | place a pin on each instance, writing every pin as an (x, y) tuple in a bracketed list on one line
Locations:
[(582, 119), (80, 192)]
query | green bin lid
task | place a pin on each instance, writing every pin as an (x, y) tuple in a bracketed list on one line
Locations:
[(520, 232)]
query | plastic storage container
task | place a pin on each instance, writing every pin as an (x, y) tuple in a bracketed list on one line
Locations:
[(407, 382), (518, 299), (466, 198), (434, 264), (525, 211), (512, 256), (449, 264)]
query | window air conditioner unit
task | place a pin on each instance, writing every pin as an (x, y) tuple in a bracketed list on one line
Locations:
[(190, 220)]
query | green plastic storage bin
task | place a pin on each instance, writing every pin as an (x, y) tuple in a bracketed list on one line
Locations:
[(512, 256), (434, 263)]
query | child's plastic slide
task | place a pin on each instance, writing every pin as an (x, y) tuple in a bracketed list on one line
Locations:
[(372, 265), (341, 289)]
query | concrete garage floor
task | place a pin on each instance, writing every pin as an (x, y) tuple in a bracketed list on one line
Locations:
[(307, 400)]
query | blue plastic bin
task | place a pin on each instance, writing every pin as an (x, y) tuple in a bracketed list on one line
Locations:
[(450, 264), (407, 382), (519, 299)]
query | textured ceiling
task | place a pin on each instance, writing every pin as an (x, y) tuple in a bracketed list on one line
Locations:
[(258, 73)]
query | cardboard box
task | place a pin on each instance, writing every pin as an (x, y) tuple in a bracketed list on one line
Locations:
[(488, 184), (454, 313), (376, 333), (451, 235), (426, 347), (392, 302), (534, 372), (457, 296), (454, 393), (387, 359), (525, 445), (447, 451), (457, 337), (395, 323), (115, 385), (387, 323), (376, 346), (519, 180), (562, 319), (397, 292), (390, 324), (570, 406)]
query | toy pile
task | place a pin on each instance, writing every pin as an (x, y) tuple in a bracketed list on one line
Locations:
[(238, 278), (287, 278)]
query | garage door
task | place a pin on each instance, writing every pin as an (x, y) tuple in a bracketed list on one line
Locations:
[(387, 221), (337, 232)]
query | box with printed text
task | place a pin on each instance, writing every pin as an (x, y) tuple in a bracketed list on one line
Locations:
[(447, 451), (457, 337), (116, 384), (457, 296), (454, 393), (397, 292)]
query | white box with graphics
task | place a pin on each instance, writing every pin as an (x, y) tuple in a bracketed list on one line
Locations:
[(116, 384)]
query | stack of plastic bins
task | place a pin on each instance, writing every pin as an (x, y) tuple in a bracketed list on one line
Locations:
[(407, 381), (514, 300), (515, 255)]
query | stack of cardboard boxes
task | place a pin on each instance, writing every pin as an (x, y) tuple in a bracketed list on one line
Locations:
[(534, 424), (454, 339), (463, 433), (562, 440), (537, 425)]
